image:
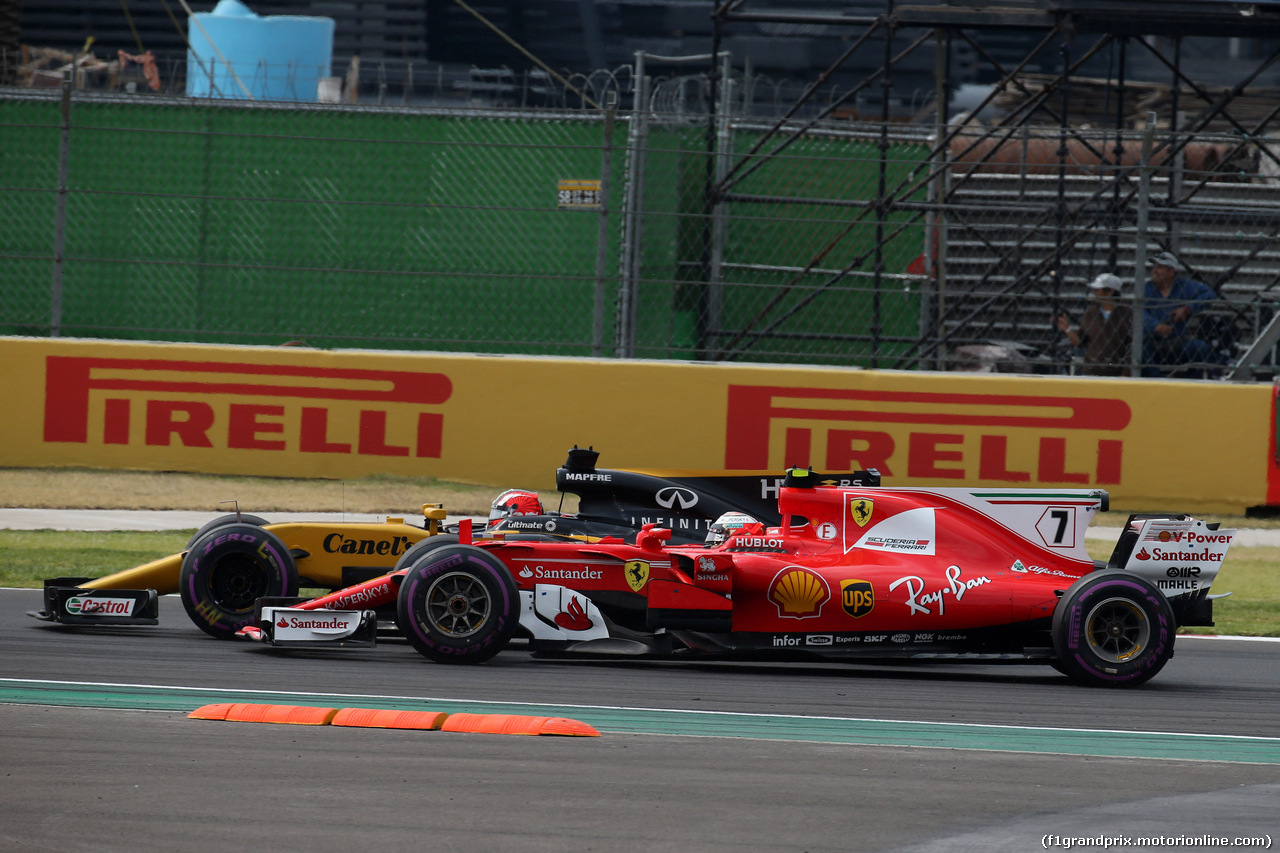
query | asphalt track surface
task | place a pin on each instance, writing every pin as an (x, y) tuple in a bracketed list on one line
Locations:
[(99, 754)]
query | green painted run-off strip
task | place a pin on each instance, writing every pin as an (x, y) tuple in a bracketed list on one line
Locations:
[(900, 733)]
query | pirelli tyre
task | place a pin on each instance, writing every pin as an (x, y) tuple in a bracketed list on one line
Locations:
[(458, 604), (417, 549), (230, 518), (229, 568), (1113, 629)]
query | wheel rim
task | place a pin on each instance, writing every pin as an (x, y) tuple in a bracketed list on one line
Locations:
[(458, 604), (1117, 629), (237, 582)]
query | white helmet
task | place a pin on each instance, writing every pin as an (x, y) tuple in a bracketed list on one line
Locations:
[(727, 525)]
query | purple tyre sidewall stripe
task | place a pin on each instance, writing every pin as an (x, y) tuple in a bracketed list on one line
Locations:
[(1103, 588), (422, 577), (278, 578)]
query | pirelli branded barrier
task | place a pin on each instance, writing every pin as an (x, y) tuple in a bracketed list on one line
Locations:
[(507, 421)]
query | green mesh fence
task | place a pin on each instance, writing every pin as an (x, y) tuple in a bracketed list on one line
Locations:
[(228, 222), (336, 227), (29, 164), (815, 265), (648, 235)]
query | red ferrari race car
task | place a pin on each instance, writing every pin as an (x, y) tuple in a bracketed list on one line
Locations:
[(852, 572)]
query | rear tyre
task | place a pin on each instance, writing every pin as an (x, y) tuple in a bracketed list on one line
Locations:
[(228, 569), (458, 604), (1113, 629)]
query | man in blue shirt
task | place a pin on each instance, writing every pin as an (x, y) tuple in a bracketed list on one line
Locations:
[(1170, 302)]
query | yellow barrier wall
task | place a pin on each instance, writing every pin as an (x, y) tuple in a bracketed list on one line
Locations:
[(507, 421)]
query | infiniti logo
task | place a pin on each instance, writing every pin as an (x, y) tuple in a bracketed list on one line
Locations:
[(673, 495)]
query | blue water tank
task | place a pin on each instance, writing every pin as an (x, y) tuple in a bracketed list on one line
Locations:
[(276, 58)]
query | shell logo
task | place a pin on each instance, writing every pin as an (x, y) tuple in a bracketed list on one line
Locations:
[(798, 593)]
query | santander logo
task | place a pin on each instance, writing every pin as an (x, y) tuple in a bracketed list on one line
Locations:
[(573, 617)]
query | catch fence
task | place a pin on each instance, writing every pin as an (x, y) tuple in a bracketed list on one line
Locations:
[(651, 233)]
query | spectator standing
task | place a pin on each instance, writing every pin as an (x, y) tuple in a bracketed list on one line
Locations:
[(1105, 329), (1171, 301)]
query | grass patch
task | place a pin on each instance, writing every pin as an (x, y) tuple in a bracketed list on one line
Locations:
[(1252, 576), (1241, 522), (78, 488), (27, 557)]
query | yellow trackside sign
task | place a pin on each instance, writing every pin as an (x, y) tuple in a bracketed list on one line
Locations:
[(584, 194), (504, 421)]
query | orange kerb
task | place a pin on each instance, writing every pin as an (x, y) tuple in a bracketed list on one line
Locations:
[(374, 718)]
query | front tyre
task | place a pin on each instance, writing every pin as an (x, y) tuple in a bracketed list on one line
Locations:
[(458, 604), (223, 520), (417, 549), (228, 569), (1113, 629)]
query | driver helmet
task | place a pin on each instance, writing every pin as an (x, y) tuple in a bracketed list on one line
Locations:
[(727, 525), (514, 502)]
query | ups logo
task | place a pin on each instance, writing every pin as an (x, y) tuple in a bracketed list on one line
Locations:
[(857, 597)]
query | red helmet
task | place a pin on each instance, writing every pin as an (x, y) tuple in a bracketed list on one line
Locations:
[(514, 502)]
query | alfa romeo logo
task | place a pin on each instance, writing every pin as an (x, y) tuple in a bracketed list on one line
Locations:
[(674, 496)]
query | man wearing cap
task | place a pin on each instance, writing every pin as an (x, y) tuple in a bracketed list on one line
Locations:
[(1105, 328), (1171, 300)]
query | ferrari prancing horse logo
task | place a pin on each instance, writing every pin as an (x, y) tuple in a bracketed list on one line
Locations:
[(860, 509), (637, 574)]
